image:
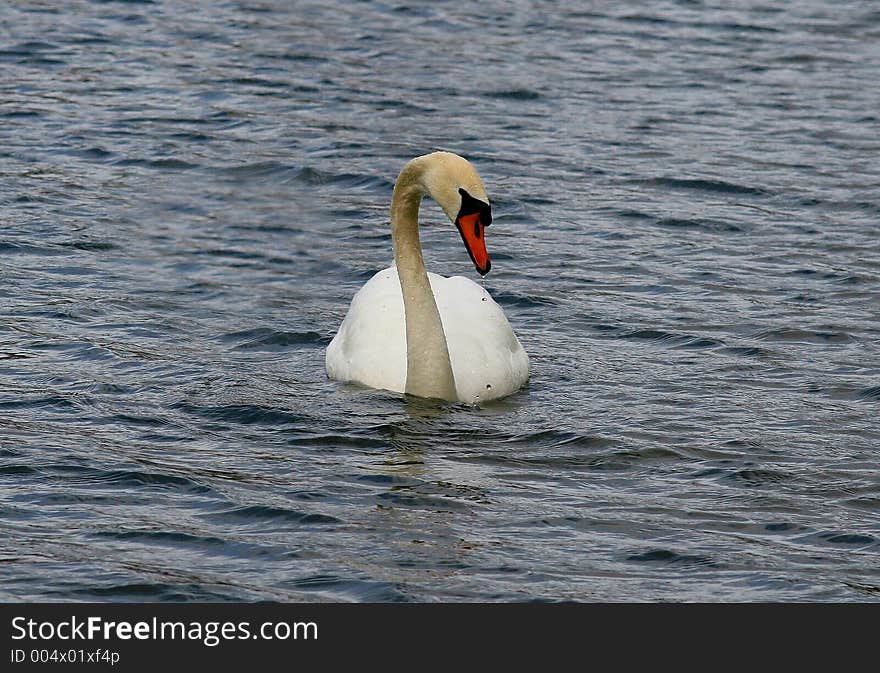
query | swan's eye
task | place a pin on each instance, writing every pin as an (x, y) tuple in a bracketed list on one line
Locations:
[(470, 205)]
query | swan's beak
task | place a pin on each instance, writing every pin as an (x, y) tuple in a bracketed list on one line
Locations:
[(473, 233)]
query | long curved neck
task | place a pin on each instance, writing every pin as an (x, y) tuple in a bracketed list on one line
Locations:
[(428, 367)]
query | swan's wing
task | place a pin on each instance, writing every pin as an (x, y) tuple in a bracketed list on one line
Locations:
[(488, 360), (370, 346)]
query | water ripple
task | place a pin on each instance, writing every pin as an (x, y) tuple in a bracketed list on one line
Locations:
[(685, 242)]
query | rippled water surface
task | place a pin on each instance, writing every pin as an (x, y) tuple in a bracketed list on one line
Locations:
[(686, 205)]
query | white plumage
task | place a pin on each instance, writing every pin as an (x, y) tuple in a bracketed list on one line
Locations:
[(415, 332), (487, 359)]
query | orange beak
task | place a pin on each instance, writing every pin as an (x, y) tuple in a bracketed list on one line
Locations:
[(473, 233)]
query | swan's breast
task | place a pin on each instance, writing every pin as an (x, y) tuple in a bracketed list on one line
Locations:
[(488, 360)]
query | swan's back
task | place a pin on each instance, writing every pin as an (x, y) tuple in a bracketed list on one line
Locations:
[(487, 359)]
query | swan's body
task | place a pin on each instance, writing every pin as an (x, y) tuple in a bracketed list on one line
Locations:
[(486, 357), (410, 331)]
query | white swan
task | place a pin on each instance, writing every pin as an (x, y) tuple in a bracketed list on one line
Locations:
[(411, 331)]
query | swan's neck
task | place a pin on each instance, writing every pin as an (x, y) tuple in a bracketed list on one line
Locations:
[(428, 368)]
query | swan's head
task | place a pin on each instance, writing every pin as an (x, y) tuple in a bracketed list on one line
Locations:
[(455, 184)]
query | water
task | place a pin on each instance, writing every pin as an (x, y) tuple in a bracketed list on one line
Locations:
[(685, 240)]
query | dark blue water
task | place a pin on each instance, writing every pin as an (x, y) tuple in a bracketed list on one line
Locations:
[(686, 206)]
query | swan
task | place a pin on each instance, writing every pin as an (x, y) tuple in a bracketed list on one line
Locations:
[(415, 332)]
